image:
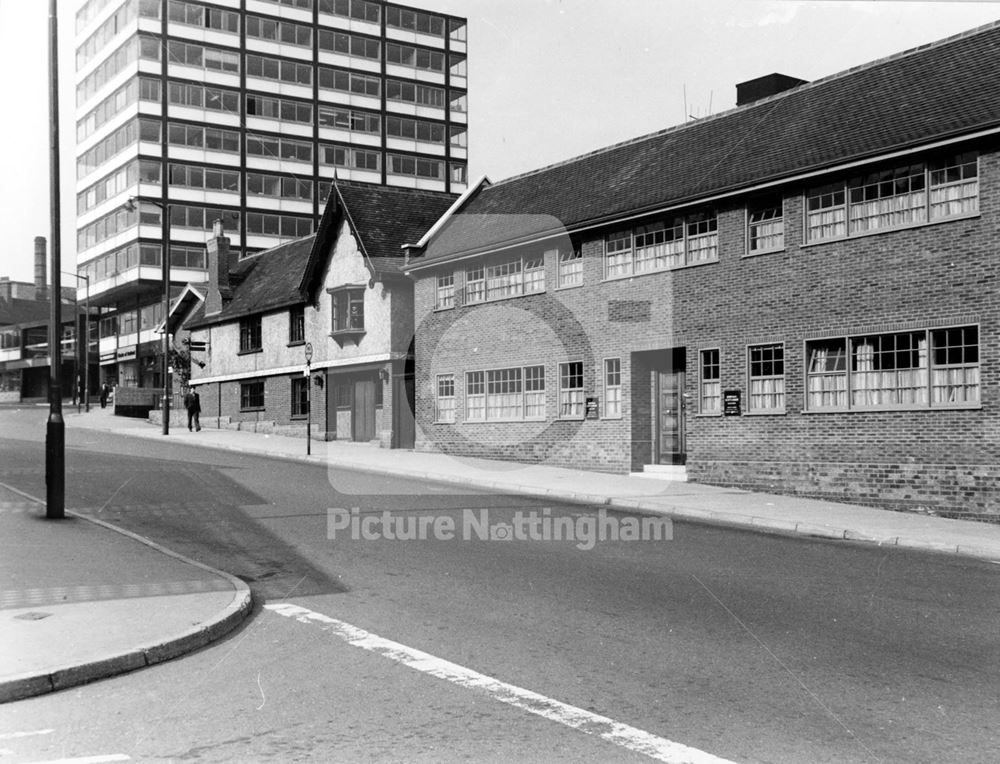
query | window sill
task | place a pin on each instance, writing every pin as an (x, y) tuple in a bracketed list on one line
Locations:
[(895, 229), (766, 412), (440, 309), (299, 417), (892, 409), (708, 415), (347, 334), (563, 287), (760, 253), (251, 351), (250, 411), (608, 279), (296, 343)]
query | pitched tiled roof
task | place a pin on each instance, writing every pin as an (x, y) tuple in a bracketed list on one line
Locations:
[(266, 281), (386, 218), (932, 93), (18, 311)]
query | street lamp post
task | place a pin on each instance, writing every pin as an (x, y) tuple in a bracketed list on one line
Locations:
[(86, 340), (131, 206), (309, 408)]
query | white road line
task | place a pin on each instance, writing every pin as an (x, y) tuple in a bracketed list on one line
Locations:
[(98, 759), (27, 733), (632, 738)]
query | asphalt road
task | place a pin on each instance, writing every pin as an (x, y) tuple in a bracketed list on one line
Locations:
[(746, 646)]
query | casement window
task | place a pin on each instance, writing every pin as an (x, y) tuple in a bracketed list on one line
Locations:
[(445, 295), (475, 284), (613, 387), (510, 278), (300, 396), (348, 310), (417, 167), (342, 156), (570, 268), (250, 335), (897, 197), (505, 395), (296, 324), (412, 92), (279, 31), (362, 10), (414, 129), (349, 119), (709, 383), (444, 402), (938, 368), (571, 389), (350, 82), (765, 227), (661, 245), (417, 58), (767, 378), (252, 395), (357, 46)]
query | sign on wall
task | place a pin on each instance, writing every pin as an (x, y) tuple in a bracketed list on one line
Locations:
[(591, 410), (731, 403)]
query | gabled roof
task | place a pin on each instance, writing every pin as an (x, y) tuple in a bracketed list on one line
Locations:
[(382, 220), (264, 282), (929, 94)]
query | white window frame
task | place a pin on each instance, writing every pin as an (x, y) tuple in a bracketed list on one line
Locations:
[(504, 279), (710, 389), (776, 382), (612, 368), (765, 227), (894, 198), (572, 404), (940, 378), (509, 394), (570, 268), (444, 296), (445, 405), (662, 245)]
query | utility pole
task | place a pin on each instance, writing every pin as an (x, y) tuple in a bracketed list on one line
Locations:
[(55, 429)]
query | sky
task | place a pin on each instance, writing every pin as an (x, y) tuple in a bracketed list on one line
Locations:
[(548, 79)]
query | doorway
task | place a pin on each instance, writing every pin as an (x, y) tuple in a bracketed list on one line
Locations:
[(669, 404), (363, 410)]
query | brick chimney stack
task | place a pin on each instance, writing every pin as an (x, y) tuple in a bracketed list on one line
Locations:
[(219, 288), (41, 280)]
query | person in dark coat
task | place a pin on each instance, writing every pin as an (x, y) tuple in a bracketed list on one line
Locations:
[(192, 402), (105, 392)]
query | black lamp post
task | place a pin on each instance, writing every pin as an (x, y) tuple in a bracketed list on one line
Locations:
[(85, 393), (309, 408), (131, 206)]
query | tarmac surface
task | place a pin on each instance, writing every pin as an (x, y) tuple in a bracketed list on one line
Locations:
[(61, 579)]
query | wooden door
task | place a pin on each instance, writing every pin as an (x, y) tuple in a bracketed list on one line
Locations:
[(363, 410), (670, 417)]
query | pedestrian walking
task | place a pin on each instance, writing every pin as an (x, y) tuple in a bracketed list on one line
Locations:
[(192, 402), (105, 393)]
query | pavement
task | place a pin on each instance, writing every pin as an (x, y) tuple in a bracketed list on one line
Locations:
[(67, 618)]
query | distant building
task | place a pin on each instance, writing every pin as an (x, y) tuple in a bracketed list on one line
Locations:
[(339, 292), (244, 111), (801, 295)]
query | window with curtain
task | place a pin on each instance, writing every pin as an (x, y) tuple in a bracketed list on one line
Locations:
[(444, 402), (710, 385), (767, 378)]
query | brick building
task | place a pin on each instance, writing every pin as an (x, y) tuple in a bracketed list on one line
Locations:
[(339, 292), (798, 295)]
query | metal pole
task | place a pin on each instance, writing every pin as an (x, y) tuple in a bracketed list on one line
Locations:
[(165, 267), (86, 352), (309, 409), (55, 428)]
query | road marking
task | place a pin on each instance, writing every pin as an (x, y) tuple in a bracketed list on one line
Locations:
[(28, 733), (98, 759), (631, 738)]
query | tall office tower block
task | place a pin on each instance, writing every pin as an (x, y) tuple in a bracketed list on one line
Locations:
[(244, 111)]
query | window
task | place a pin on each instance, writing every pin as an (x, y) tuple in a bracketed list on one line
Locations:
[(505, 394), (297, 325), (710, 386), (765, 228), (414, 129), (661, 245), (348, 310), (767, 378), (475, 284), (475, 396), (252, 396), (445, 297), (444, 406), (417, 58), (509, 278), (300, 396), (613, 387), (571, 389), (936, 368), (895, 197), (570, 268), (250, 336)]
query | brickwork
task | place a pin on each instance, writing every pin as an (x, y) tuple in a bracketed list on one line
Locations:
[(937, 275)]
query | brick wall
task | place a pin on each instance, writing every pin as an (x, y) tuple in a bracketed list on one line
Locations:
[(946, 273)]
